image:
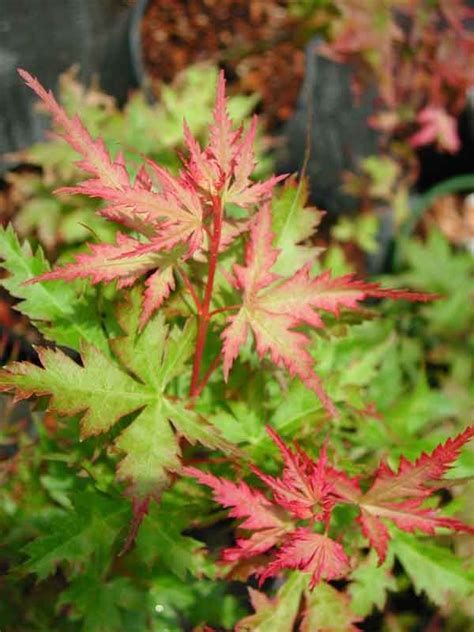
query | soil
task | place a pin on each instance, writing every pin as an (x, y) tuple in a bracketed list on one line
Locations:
[(258, 42)]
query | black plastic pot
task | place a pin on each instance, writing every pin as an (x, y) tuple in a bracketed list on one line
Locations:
[(46, 37), (338, 134), (335, 127), (339, 138), (135, 40)]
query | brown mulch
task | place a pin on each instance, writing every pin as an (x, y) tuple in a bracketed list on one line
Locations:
[(259, 43)]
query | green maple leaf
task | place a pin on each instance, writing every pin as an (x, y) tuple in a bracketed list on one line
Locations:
[(421, 406), (86, 533), (114, 605), (54, 308), (194, 601), (328, 609), (434, 570), (134, 381), (277, 614), (160, 538), (433, 265), (293, 223), (369, 585)]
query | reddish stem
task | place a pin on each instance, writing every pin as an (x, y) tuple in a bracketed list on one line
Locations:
[(227, 308), (212, 367), (189, 287), (140, 510), (204, 313)]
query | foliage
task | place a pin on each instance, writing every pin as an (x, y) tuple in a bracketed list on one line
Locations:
[(140, 128), (414, 57), (418, 54), (163, 380), (311, 490)]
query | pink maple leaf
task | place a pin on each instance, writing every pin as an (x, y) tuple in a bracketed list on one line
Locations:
[(312, 552), (103, 263), (398, 496), (436, 126), (309, 490), (302, 492), (95, 157), (168, 212), (224, 167), (303, 488), (133, 204), (268, 521), (273, 306)]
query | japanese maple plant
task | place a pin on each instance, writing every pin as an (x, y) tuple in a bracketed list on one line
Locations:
[(228, 308)]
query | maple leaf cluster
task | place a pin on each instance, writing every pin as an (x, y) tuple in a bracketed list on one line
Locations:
[(177, 218), (167, 212), (254, 273), (420, 59), (291, 529), (273, 306)]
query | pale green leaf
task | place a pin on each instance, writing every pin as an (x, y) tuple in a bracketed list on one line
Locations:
[(433, 569), (420, 407), (55, 308), (369, 585), (105, 391), (328, 610), (99, 387), (151, 451), (277, 614), (293, 223)]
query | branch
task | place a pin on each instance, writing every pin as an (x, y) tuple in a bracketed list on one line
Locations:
[(190, 288), (204, 315), (212, 367), (226, 308)]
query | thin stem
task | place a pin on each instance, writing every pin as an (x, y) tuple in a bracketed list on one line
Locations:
[(226, 308), (204, 314), (189, 287), (212, 367), (200, 342)]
